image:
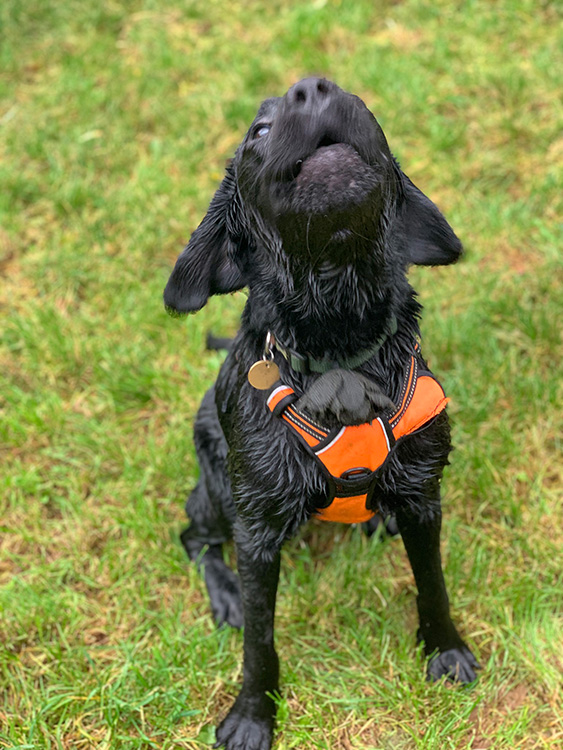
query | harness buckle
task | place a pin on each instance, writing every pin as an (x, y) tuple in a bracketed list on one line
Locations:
[(352, 482), (358, 473)]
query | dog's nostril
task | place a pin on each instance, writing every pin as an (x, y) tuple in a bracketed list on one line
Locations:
[(310, 92)]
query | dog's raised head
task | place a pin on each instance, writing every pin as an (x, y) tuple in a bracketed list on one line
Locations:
[(313, 181)]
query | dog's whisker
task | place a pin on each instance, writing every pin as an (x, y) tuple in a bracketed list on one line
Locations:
[(307, 236)]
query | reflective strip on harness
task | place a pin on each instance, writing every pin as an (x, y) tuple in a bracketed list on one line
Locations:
[(350, 455)]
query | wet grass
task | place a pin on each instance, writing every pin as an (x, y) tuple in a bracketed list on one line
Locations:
[(115, 123)]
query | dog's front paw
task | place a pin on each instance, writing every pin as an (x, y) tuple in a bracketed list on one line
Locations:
[(455, 664), (249, 725), (343, 397)]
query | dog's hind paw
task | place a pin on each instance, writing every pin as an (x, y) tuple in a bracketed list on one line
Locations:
[(455, 664), (387, 526), (223, 588), (249, 725)]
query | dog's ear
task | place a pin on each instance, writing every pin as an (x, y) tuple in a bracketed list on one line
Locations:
[(207, 265), (430, 240)]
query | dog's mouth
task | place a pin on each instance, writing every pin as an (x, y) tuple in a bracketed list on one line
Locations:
[(332, 165), (331, 181), (324, 143), (332, 198)]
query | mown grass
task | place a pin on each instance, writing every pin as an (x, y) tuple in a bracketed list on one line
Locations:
[(115, 122)]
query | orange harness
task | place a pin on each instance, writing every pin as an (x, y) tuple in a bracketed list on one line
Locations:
[(351, 455)]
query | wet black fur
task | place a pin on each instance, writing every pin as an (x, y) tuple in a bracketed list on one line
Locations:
[(317, 219)]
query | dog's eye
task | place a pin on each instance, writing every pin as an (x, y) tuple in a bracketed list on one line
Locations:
[(261, 130)]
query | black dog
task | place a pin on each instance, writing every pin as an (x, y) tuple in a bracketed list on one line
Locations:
[(316, 218)]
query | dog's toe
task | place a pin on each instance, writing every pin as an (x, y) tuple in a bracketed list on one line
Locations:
[(455, 664), (248, 725), (228, 611), (388, 524), (391, 526), (244, 735)]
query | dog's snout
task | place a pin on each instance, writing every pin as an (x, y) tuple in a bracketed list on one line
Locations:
[(310, 95)]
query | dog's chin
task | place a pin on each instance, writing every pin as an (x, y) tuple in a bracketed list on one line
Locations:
[(331, 185), (332, 204), (334, 166)]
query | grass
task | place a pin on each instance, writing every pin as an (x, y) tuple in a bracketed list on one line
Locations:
[(115, 122)]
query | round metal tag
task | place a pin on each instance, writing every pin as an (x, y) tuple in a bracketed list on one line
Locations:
[(263, 374)]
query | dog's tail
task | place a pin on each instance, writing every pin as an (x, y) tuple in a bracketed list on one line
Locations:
[(216, 343)]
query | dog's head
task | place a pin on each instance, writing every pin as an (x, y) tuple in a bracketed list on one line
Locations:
[(314, 180)]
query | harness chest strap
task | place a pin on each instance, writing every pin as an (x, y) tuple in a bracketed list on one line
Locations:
[(350, 455)]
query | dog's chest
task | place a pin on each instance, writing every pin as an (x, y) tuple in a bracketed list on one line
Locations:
[(274, 480), (283, 469)]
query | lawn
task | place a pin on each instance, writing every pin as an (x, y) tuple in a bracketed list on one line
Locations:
[(116, 119)]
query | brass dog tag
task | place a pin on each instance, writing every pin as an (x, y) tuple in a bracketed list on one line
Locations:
[(263, 374)]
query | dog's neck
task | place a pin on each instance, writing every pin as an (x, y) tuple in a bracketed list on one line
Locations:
[(333, 312)]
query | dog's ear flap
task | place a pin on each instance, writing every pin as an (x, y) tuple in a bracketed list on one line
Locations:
[(206, 266), (430, 240)]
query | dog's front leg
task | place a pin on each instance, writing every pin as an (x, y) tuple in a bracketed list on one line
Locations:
[(449, 655), (249, 724)]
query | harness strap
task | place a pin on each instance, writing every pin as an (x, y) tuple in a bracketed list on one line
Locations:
[(351, 455)]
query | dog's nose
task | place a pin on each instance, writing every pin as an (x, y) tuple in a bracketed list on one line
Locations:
[(310, 95)]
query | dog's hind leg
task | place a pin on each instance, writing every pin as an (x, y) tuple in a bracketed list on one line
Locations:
[(222, 583), (211, 512)]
